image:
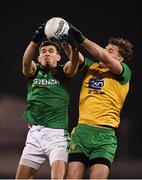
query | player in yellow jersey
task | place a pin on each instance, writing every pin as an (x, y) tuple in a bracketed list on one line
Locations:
[(104, 90)]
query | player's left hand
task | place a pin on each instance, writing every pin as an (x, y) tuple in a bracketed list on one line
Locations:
[(76, 34), (66, 38)]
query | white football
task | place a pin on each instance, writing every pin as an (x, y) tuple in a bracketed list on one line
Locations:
[(55, 27)]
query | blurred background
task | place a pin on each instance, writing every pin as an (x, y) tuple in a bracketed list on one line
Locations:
[(98, 20)]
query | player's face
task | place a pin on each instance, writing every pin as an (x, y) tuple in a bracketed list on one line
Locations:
[(48, 56), (114, 51)]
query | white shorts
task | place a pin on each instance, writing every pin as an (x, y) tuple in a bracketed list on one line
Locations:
[(43, 143)]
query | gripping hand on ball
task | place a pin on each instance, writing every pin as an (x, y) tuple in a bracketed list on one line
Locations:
[(63, 39), (76, 34), (66, 38), (39, 34)]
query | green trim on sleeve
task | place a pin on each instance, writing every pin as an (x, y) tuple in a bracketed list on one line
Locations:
[(88, 62), (125, 76)]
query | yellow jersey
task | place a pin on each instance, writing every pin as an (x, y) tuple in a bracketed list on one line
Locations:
[(102, 94)]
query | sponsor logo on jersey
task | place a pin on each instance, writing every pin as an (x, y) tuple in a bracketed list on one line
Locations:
[(45, 82), (95, 85)]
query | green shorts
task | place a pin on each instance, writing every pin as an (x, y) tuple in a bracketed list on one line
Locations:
[(93, 142)]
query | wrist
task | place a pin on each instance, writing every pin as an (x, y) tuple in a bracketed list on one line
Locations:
[(83, 39), (34, 43)]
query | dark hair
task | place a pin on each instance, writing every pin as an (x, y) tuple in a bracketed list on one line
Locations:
[(125, 47), (47, 43)]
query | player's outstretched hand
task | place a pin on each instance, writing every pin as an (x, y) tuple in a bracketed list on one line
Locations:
[(39, 34), (68, 38), (76, 34)]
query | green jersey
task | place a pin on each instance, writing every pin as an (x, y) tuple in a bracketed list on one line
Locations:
[(48, 98)]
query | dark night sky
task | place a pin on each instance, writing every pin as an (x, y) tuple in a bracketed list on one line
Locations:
[(98, 20)]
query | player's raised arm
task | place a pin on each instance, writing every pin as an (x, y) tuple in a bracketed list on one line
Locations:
[(75, 59), (28, 65), (111, 56)]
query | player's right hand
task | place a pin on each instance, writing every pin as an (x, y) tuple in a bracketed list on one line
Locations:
[(39, 34)]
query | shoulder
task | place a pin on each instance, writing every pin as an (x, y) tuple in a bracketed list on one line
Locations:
[(125, 76), (86, 64), (126, 70), (37, 68), (59, 73)]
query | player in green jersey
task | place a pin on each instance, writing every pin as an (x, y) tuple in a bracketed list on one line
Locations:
[(47, 107), (104, 89)]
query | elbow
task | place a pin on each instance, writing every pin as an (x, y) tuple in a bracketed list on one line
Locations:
[(71, 73)]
